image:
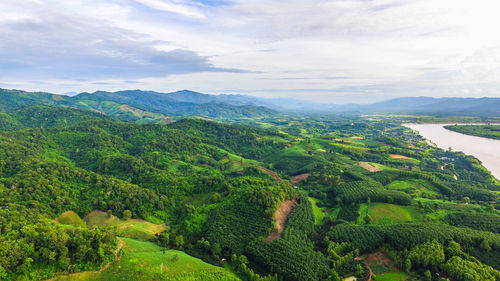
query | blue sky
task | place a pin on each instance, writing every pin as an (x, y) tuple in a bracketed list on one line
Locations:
[(333, 51)]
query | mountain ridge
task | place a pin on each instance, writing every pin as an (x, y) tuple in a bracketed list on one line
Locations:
[(187, 102)]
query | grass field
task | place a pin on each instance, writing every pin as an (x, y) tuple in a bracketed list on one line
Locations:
[(383, 213), (147, 261), (71, 218), (318, 213), (391, 276), (418, 186), (235, 163), (138, 229)]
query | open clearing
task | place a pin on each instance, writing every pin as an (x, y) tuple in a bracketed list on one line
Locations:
[(296, 179), (382, 267), (369, 167), (132, 228), (391, 276), (318, 213), (147, 261), (417, 186), (397, 156), (71, 218), (281, 217), (383, 213)]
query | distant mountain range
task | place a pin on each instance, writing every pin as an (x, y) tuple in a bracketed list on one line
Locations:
[(140, 106), (135, 105)]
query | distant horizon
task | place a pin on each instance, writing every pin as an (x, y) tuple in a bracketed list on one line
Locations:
[(250, 95)]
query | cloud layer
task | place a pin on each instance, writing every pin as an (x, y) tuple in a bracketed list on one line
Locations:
[(335, 51)]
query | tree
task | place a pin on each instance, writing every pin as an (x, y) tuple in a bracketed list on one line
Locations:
[(485, 245), (127, 214), (216, 249), (179, 241), (359, 271), (368, 220), (428, 275), (466, 200), (408, 265), (109, 213), (163, 239), (175, 258)]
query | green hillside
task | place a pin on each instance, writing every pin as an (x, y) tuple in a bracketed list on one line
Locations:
[(86, 196)]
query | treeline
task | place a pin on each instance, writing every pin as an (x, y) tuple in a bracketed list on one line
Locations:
[(34, 247), (487, 131)]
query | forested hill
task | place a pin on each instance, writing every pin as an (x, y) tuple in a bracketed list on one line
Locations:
[(147, 171), (140, 106), (45, 116), (307, 199)]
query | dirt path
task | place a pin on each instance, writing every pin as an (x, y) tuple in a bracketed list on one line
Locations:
[(281, 216), (121, 243)]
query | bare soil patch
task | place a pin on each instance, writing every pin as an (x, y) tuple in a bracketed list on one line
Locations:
[(295, 179), (369, 167), (378, 258), (358, 138), (281, 216), (397, 156)]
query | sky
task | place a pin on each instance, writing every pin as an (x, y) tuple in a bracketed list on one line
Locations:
[(337, 51)]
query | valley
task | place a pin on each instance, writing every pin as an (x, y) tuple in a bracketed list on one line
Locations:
[(88, 195)]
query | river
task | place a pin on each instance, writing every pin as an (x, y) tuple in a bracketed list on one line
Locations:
[(484, 149)]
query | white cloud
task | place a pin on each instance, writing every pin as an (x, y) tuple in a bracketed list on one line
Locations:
[(172, 7), (375, 49)]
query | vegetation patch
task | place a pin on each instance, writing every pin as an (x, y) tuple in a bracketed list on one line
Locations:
[(147, 261), (318, 213), (71, 218), (391, 276), (131, 228), (382, 213)]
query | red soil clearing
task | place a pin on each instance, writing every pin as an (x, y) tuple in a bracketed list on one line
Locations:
[(281, 216), (397, 156), (295, 179)]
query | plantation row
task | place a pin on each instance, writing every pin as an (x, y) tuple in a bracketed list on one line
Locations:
[(361, 191), (368, 238), (292, 257), (480, 221)]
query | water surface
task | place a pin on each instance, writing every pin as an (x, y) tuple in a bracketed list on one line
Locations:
[(484, 149)]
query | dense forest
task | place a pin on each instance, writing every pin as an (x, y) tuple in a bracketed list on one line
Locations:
[(281, 198)]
